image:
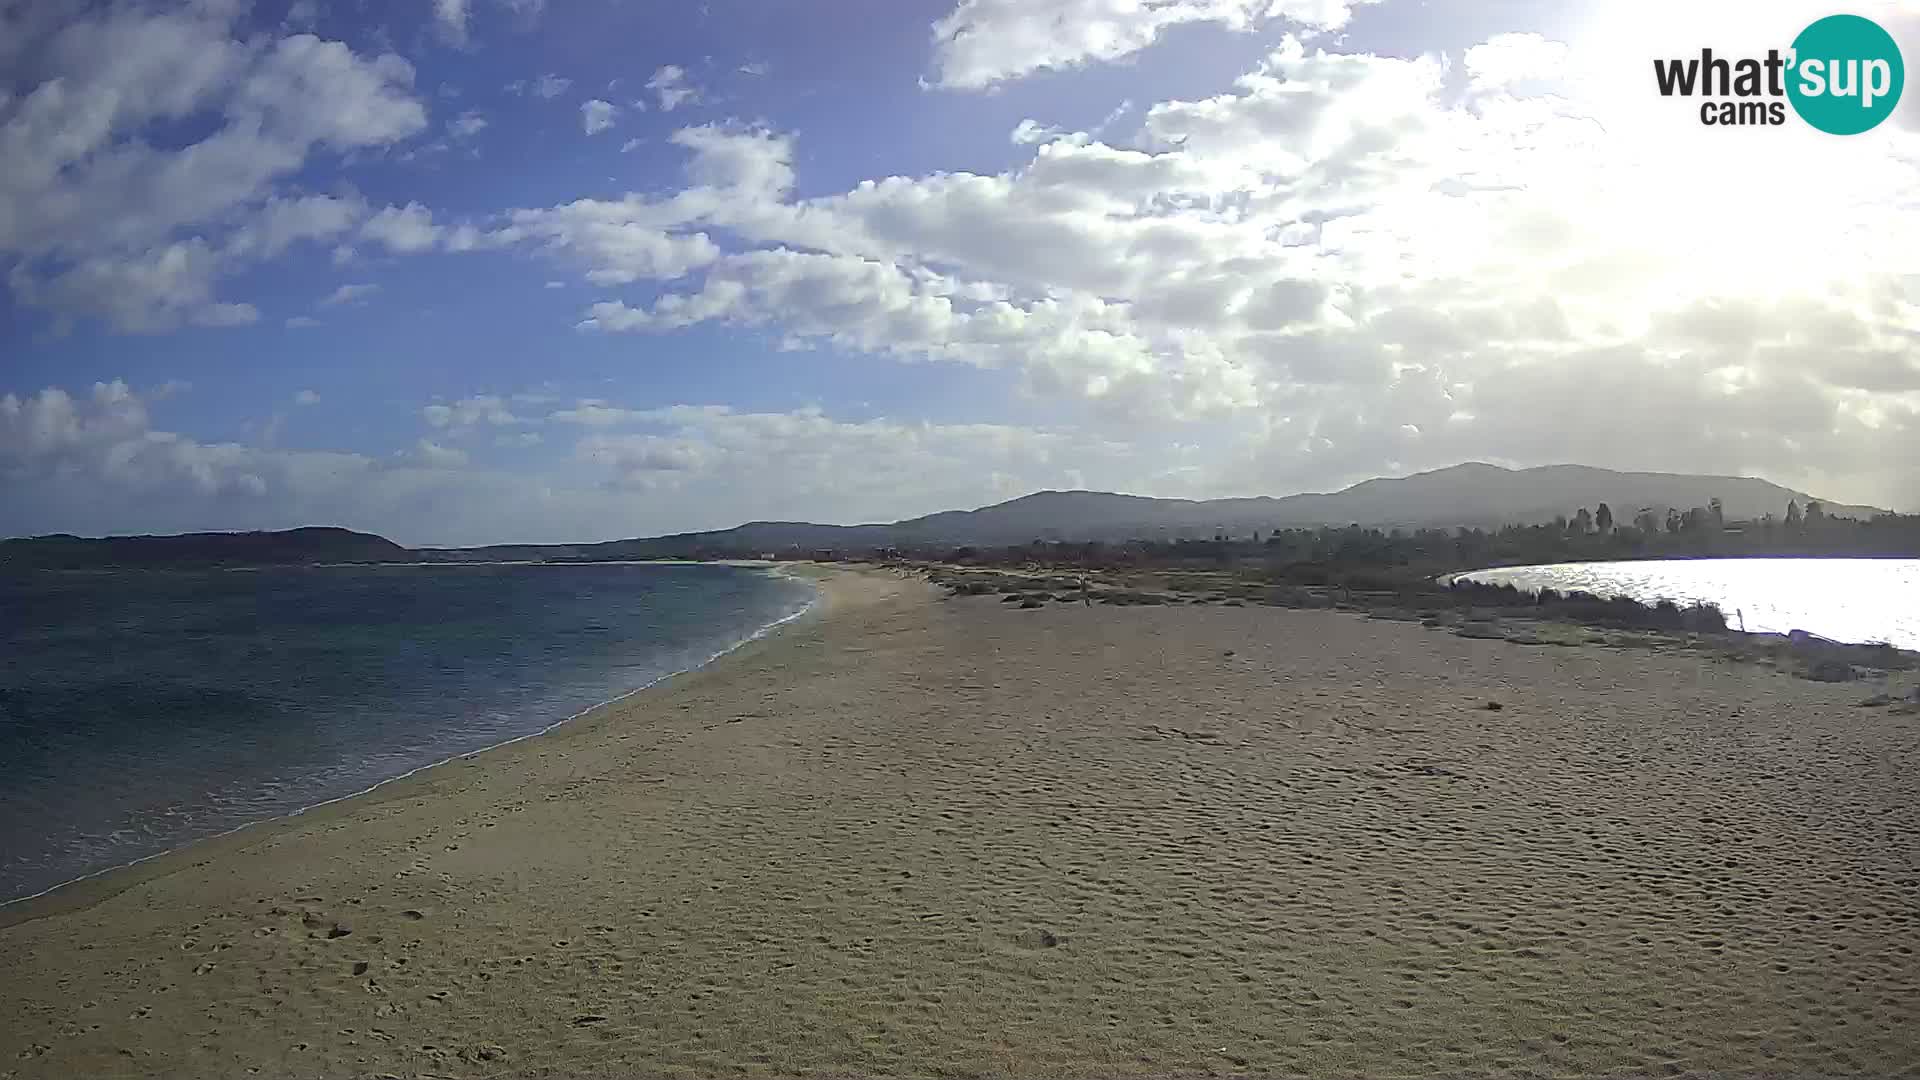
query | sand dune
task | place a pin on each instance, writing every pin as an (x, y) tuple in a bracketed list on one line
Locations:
[(924, 836)]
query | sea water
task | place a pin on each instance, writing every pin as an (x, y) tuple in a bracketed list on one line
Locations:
[(141, 710)]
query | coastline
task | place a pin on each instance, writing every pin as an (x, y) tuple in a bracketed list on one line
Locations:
[(99, 884), (920, 835)]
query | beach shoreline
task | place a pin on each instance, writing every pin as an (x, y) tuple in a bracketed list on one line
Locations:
[(919, 835), (91, 888)]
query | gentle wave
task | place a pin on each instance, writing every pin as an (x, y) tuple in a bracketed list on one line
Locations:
[(166, 819)]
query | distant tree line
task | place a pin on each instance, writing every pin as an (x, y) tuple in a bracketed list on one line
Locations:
[(1586, 534)]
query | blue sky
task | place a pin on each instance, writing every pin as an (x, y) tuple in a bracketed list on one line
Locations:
[(466, 271)]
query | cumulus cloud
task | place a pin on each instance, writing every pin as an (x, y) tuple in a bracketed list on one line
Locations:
[(1507, 59), (526, 11), (548, 86), (279, 223), (467, 124), (89, 202), (149, 292), (83, 461), (671, 88), (807, 461), (597, 116), (307, 397), (459, 417), (104, 441), (1335, 256), (435, 456), (353, 293), (451, 17), (403, 230), (1341, 264), (984, 42)]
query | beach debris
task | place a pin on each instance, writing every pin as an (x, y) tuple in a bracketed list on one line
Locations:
[(1038, 938), (1493, 706), (338, 931), (1180, 733), (1030, 602), (589, 1018), (360, 967)]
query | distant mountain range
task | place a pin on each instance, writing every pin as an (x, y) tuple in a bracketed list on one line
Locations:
[(1474, 494), (288, 547)]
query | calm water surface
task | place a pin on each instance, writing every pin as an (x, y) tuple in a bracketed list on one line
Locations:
[(1858, 600), (142, 710)]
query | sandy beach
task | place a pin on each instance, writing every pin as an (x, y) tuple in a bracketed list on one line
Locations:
[(927, 836)]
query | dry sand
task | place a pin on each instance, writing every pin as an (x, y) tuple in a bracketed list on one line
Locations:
[(947, 837)]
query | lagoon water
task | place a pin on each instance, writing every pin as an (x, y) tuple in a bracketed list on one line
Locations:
[(143, 710), (1855, 600)]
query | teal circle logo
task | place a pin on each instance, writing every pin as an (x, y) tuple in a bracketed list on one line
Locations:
[(1846, 75)]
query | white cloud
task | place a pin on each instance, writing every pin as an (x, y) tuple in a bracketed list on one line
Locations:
[(349, 294), (985, 42), (1031, 131), (1339, 265), (548, 86), (84, 462), (597, 116), (467, 124), (280, 223), (87, 197), (104, 442), (403, 230), (451, 16), (810, 465), (155, 290), (671, 88), (435, 456), (460, 416), (1336, 256), (1506, 59), (302, 322), (593, 413), (226, 315), (307, 397)]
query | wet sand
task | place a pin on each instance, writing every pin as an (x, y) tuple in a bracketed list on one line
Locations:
[(946, 837)]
